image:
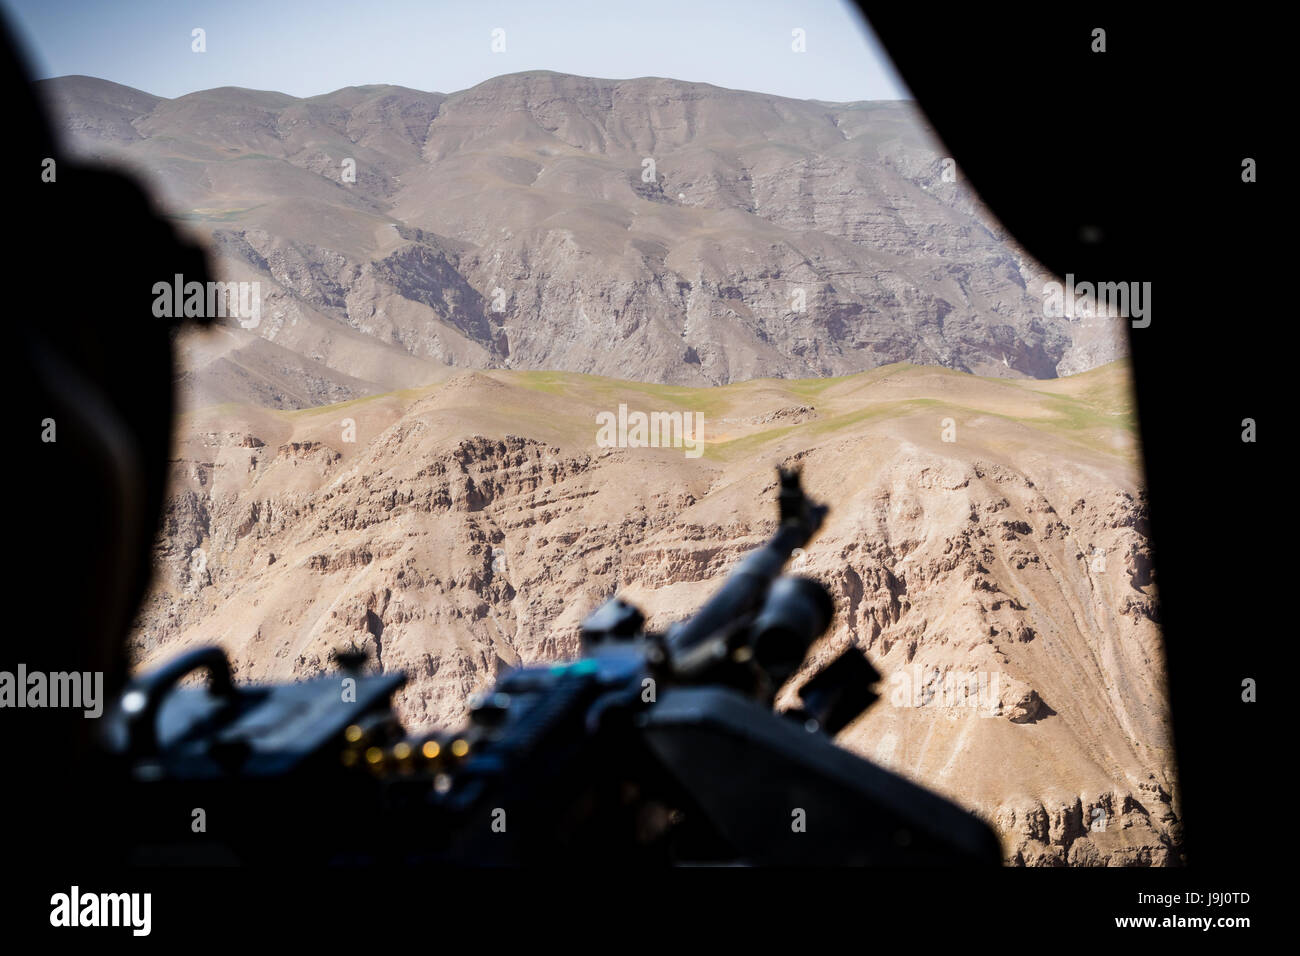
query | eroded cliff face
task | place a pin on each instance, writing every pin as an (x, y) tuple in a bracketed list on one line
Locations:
[(987, 548)]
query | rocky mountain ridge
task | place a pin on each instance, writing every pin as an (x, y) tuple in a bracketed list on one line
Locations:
[(650, 229)]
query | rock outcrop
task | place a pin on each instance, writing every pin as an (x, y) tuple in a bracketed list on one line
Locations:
[(1001, 581)]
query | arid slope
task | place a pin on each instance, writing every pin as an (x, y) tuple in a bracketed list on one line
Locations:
[(985, 529)]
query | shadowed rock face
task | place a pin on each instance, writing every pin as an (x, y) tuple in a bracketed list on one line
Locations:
[(1000, 580), (650, 229)]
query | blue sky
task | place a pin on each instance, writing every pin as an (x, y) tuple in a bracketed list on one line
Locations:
[(305, 48)]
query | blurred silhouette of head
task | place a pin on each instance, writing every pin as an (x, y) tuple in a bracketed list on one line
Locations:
[(89, 458)]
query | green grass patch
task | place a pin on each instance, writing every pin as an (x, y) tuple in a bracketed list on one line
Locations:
[(208, 215)]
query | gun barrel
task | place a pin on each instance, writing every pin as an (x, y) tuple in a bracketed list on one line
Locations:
[(742, 594)]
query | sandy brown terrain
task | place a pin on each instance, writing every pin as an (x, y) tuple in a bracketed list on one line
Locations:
[(457, 529)]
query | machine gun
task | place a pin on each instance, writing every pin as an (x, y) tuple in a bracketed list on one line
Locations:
[(653, 748)]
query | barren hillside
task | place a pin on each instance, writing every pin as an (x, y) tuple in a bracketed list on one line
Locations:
[(981, 530), (649, 229)]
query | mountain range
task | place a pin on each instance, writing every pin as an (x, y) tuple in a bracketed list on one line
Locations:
[(648, 229)]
